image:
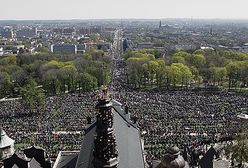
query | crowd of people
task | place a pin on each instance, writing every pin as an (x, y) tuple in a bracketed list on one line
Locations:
[(59, 127), (188, 119), (185, 118), (182, 118)]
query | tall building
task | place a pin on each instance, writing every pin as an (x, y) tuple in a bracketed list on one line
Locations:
[(64, 48), (160, 24)]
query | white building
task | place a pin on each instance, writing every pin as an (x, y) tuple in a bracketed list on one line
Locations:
[(6, 145)]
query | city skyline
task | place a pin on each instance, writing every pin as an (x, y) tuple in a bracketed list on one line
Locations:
[(118, 9)]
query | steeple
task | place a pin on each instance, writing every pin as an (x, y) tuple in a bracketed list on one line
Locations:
[(211, 30), (105, 151)]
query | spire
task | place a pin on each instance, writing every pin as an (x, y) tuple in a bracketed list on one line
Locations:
[(105, 151), (211, 30), (160, 24)]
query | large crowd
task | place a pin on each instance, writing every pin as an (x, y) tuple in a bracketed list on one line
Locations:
[(59, 127), (182, 118), (185, 118), (191, 120)]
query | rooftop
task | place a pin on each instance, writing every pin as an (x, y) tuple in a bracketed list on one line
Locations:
[(129, 146), (5, 141)]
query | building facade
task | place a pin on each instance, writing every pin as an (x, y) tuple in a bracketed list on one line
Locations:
[(64, 48)]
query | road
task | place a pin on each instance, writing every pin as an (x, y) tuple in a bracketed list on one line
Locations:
[(116, 61)]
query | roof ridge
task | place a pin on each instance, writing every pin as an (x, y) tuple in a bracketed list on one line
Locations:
[(124, 118)]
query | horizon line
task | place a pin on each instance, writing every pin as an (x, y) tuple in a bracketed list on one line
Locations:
[(179, 18)]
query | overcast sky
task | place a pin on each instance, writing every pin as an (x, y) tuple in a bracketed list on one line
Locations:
[(101, 9)]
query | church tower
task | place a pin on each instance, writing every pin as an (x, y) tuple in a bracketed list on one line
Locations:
[(211, 31)]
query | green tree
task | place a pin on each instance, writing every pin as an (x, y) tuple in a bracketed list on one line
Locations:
[(10, 60), (197, 78), (180, 74), (243, 73), (87, 82), (174, 74), (5, 85), (71, 76), (18, 74), (218, 74), (51, 82), (178, 59), (160, 72), (238, 150), (32, 95), (199, 60), (42, 49), (233, 73), (151, 68), (187, 57)]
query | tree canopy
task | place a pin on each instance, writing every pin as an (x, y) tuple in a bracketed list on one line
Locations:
[(55, 73), (209, 67)]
